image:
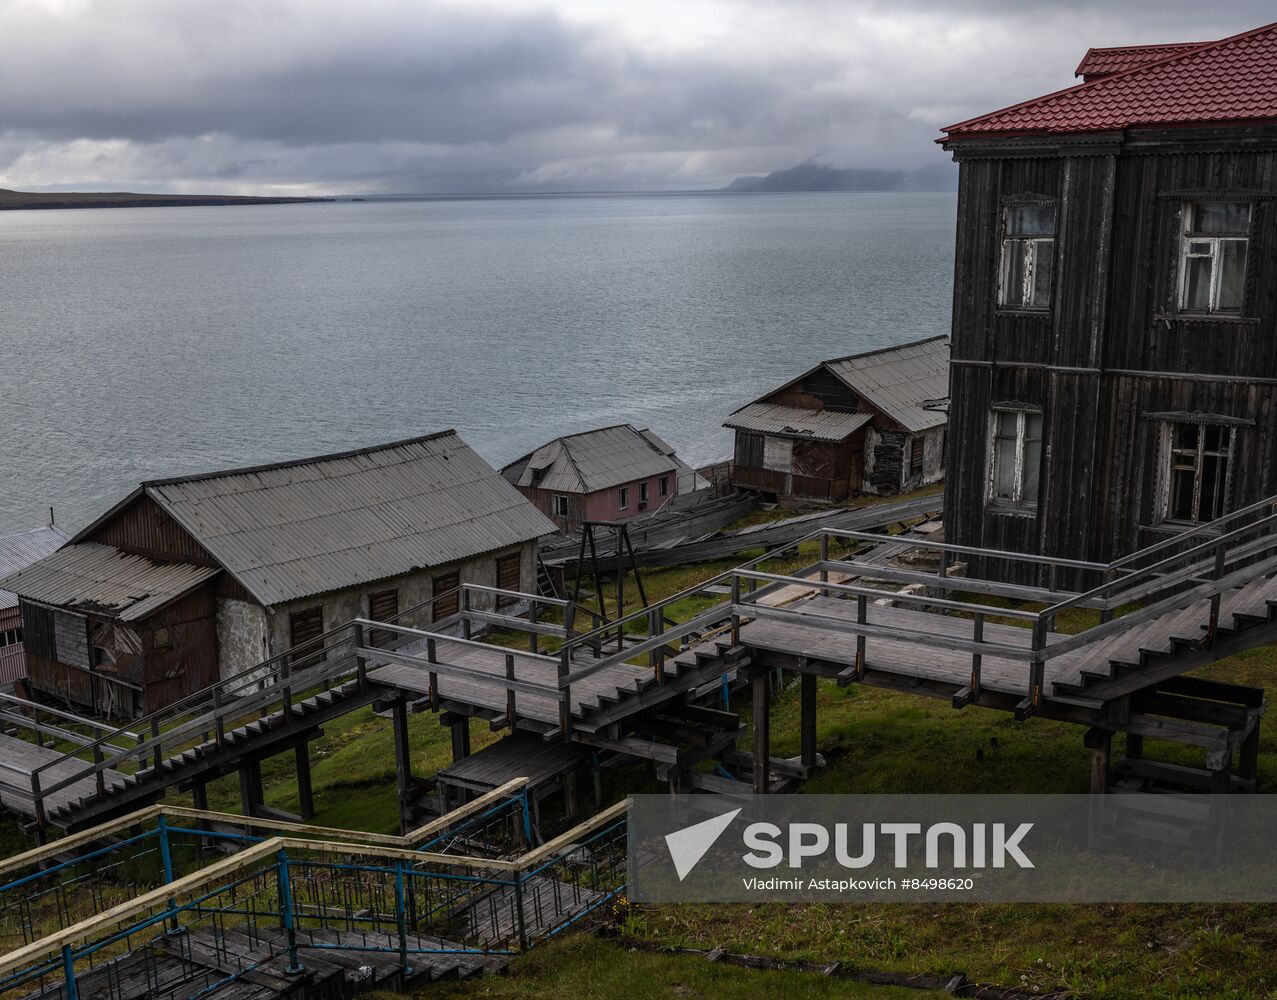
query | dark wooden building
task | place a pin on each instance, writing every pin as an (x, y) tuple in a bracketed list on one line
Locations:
[(1114, 354), (188, 580), (859, 424)]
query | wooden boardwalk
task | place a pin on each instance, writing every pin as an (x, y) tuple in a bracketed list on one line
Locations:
[(18, 758)]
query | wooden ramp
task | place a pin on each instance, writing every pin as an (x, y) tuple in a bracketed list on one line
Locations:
[(18, 759)]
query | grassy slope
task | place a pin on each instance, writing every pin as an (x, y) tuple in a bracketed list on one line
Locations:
[(586, 968)]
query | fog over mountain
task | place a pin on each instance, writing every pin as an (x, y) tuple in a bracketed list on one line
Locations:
[(812, 176), (321, 96)]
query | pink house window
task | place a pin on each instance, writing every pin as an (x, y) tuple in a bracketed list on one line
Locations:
[(623, 495)]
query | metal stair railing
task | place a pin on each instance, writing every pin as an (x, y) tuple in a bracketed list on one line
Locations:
[(364, 892)]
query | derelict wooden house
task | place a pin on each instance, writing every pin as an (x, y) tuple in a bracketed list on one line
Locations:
[(17, 551), (860, 424), (188, 580), (1115, 303), (608, 474)]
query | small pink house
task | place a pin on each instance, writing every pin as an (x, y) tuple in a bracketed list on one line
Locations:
[(609, 474)]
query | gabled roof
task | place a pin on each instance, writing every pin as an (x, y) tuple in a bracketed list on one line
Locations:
[(1229, 81), (593, 460), (21, 549), (101, 580), (1120, 58), (314, 525), (795, 422), (896, 381)]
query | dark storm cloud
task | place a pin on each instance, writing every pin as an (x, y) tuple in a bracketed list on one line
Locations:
[(397, 95)]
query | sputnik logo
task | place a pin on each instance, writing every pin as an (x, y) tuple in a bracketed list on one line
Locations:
[(688, 845)]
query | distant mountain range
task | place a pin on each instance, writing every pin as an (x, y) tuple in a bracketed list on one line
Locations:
[(811, 176)]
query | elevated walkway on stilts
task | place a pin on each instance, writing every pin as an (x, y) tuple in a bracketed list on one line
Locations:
[(1109, 654)]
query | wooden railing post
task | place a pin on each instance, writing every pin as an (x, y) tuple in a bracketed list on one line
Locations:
[(862, 617), (509, 691), (977, 658), (286, 695), (656, 658), (219, 721), (735, 614), (532, 620), (38, 798), (98, 771), (433, 657), (565, 690), (1220, 559), (465, 612), (157, 751), (824, 558), (361, 665)]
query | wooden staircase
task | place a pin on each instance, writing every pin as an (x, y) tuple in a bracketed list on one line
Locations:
[(1154, 650), (210, 757)]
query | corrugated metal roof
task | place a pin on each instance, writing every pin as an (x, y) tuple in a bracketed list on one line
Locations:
[(21, 549), (689, 480), (596, 460), (315, 525), (899, 380), (791, 421), (100, 579)]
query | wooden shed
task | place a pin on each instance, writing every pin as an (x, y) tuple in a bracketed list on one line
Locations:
[(17, 551), (868, 423), (191, 579)]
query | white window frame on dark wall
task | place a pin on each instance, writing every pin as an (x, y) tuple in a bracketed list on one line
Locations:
[(1016, 500), (1214, 245), (1179, 460), (623, 498), (560, 505), (1026, 266)]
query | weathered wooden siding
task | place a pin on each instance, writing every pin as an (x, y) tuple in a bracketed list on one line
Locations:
[(143, 528), (1112, 349)]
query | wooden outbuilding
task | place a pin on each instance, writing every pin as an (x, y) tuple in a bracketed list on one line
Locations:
[(191, 579), (608, 474), (868, 423), (1115, 304)]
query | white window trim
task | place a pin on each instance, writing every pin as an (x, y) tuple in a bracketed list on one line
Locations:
[(560, 500), (1166, 460), (623, 498), (1215, 256), (643, 492), (1017, 501), (664, 488), (1028, 275)]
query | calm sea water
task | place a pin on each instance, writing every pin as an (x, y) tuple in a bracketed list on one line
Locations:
[(142, 343)]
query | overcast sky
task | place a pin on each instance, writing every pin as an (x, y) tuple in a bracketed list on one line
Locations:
[(308, 96)]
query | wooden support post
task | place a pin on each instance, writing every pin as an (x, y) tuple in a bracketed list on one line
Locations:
[(1101, 743), (509, 692), (460, 739), (808, 723), (305, 794), (1248, 756), (199, 795), (762, 734), (533, 638), (862, 616), (250, 787), (569, 794), (403, 763), (1134, 746)]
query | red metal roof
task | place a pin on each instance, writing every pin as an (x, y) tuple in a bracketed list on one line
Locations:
[(1120, 58), (1229, 81)]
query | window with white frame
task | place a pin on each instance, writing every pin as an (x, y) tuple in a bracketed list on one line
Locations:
[(642, 492), (623, 497), (665, 486), (560, 505), (1028, 256), (1212, 267), (1195, 470), (1015, 445)]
